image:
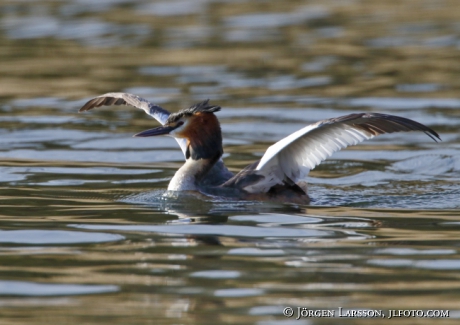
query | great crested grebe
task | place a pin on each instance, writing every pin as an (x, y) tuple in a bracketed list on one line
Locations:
[(278, 174)]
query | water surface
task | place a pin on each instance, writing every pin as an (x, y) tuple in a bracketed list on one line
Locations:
[(86, 233)]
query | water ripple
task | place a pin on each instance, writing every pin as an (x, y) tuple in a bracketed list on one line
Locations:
[(24, 288), (51, 237)]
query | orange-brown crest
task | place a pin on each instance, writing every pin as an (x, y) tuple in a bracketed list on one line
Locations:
[(204, 137), (200, 128)]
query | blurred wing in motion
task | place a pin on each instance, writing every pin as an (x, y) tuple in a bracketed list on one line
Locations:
[(157, 112), (291, 158)]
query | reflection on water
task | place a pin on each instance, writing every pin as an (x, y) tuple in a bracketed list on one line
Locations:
[(18, 288), (54, 237), (87, 232)]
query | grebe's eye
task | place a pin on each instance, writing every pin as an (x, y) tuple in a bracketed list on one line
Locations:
[(180, 123)]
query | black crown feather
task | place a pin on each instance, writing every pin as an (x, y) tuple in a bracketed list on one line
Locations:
[(202, 107)]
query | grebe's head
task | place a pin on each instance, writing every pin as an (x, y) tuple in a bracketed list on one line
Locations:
[(198, 125)]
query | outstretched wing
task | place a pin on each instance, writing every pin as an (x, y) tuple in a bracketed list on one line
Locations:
[(157, 112), (294, 156)]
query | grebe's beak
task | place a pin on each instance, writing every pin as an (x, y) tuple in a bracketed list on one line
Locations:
[(161, 130)]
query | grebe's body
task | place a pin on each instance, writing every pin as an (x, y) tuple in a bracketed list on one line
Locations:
[(278, 174)]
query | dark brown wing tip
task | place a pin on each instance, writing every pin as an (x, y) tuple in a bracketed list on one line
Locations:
[(89, 105), (416, 126), (85, 108), (402, 123), (102, 101), (433, 134), (377, 123)]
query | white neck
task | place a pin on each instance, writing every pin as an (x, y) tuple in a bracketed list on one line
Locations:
[(187, 177)]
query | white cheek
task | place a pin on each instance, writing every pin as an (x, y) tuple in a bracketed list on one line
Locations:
[(175, 132)]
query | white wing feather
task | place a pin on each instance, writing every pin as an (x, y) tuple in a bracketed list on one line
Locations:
[(294, 156)]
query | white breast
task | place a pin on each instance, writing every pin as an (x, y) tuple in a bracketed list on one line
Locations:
[(185, 177)]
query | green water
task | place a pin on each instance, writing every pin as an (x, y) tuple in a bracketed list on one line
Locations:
[(86, 233)]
